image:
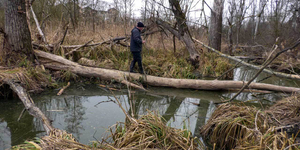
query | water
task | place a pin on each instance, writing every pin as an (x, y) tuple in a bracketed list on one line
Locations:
[(87, 111)]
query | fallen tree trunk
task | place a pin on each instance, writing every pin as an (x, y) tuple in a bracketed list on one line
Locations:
[(29, 104), (278, 74), (59, 63)]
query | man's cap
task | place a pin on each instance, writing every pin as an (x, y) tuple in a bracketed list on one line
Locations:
[(139, 24)]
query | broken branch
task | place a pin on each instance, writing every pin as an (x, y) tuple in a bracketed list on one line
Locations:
[(63, 89)]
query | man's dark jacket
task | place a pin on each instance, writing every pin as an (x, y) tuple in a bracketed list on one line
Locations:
[(136, 40)]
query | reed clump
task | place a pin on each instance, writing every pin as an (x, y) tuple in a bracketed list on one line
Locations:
[(246, 127), (57, 139), (151, 132), (32, 78)]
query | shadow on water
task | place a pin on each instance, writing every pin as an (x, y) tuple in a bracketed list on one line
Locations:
[(87, 111)]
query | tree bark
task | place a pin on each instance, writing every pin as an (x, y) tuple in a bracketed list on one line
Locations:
[(18, 40), (215, 28), (59, 63)]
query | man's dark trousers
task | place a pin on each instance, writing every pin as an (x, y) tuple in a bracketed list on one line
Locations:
[(136, 58)]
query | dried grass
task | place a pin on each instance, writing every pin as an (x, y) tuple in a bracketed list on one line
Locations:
[(57, 139), (150, 131), (245, 127), (33, 79)]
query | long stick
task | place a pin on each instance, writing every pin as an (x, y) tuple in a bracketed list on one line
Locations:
[(63, 89), (21, 114), (261, 69), (78, 48), (38, 26)]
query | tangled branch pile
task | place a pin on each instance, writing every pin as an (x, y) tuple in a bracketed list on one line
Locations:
[(245, 127)]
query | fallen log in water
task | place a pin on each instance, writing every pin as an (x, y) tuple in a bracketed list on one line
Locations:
[(59, 63), (29, 104)]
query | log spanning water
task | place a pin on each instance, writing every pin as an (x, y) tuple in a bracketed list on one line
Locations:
[(55, 62)]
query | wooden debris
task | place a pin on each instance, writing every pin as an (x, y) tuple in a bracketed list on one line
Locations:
[(63, 89)]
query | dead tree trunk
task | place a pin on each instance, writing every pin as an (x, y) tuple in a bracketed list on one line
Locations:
[(262, 5), (194, 56), (183, 32), (215, 28), (17, 45), (59, 63)]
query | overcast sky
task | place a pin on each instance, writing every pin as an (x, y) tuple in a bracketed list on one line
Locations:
[(194, 12)]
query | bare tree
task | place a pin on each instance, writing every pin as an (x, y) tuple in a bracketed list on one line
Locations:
[(17, 39), (262, 5), (183, 32), (215, 28), (239, 19), (231, 10)]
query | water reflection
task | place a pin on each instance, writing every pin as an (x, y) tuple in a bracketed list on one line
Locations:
[(13, 132)]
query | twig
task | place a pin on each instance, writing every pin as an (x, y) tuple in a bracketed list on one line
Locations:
[(133, 85), (43, 21), (228, 70), (78, 48), (62, 90), (21, 114), (209, 6), (105, 102), (288, 126), (256, 120), (265, 78), (291, 146), (95, 137), (65, 33), (267, 62)]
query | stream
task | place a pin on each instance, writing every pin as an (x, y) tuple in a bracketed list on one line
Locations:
[(87, 111)]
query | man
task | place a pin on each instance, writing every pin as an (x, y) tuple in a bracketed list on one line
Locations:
[(136, 43)]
